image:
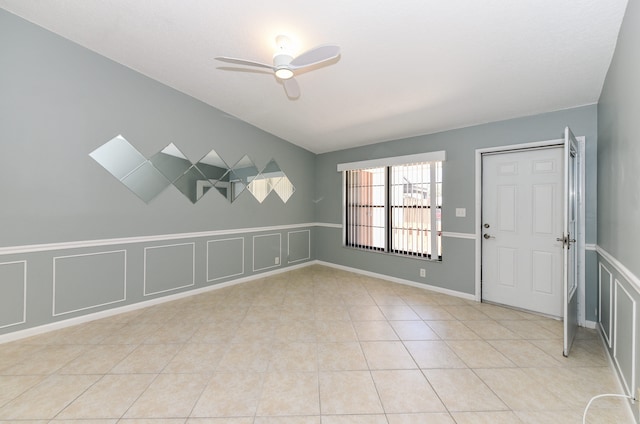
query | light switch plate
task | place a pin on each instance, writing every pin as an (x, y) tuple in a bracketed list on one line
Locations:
[(461, 212)]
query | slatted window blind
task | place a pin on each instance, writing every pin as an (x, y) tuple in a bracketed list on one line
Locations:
[(396, 209)]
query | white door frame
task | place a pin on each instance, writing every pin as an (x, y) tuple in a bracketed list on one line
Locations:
[(581, 211)]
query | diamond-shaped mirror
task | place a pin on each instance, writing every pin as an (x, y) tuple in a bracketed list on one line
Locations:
[(284, 189), (233, 182), (171, 162), (146, 181), (118, 157), (264, 182), (193, 184)]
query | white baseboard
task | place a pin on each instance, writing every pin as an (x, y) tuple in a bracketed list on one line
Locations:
[(437, 289), (591, 325)]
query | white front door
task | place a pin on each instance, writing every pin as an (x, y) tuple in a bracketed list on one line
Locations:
[(522, 205)]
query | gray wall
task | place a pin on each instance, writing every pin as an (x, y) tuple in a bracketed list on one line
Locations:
[(619, 198), (457, 270), (59, 102)]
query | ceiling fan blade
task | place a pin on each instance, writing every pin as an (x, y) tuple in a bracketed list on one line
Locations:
[(292, 88), (316, 55), (243, 62)]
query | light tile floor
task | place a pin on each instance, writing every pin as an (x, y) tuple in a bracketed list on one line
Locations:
[(310, 346)]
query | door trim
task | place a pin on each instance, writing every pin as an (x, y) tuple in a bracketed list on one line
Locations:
[(581, 211)]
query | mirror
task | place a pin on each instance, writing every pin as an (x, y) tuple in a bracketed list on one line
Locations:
[(148, 178), (128, 165), (265, 182), (118, 157), (146, 181), (171, 162), (284, 189), (235, 180)]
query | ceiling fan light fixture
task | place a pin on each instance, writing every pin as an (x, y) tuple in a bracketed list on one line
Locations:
[(284, 73)]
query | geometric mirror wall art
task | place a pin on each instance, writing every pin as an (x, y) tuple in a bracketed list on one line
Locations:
[(170, 166)]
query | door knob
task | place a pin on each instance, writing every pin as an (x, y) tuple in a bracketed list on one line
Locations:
[(487, 237)]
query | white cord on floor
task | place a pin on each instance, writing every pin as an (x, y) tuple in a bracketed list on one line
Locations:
[(584, 416)]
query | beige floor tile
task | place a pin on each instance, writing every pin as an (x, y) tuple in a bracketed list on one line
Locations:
[(574, 385), (529, 330), (288, 420), (466, 313), (132, 333), (215, 332), (147, 359), (110, 397), (399, 313), (552, 417), (14, 353), (259, 312), (47, 398), (386, 299), (462, 390), (246, 357), (179, 332), (452, 330), (512, 385), (196, 358), (228, 420), (498, 312), (45, 361), (295, 356), (295, 331), (335, 331), (491, 330), (498, 417), (230, 395), (290, 327), (169, 395), (341, 356), (525, 354), (12, 386), (287, 393), (324, 312), (298, 309), (348, 392), (361, 299), (433, 354), (432, 313), (413, 330), (354, 419), (406, 391), (255, 332), (374, 330), (97, 360), (421, 418), (97, 421), (387, 356), (366, 313), (479, 354)]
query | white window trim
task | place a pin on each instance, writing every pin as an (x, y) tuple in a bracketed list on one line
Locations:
[(439, 156)]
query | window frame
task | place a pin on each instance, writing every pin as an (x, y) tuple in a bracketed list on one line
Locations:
[(435, 193)]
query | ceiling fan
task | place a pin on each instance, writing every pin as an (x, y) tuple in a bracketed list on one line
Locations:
[(285, 66)]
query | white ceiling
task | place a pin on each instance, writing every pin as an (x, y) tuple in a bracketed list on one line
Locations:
[(408, 67)]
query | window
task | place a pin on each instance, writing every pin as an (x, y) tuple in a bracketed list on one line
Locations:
[(395, 208)]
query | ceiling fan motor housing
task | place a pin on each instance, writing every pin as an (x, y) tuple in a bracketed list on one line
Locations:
[(281, 63)]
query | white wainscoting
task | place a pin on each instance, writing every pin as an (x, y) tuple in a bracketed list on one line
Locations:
[(62, 287), (22, 301), (187, 281)]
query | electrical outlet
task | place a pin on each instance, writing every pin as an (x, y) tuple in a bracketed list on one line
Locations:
[(423, 272), (277, 260)]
